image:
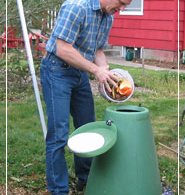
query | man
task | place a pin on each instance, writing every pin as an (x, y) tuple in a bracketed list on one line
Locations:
[(74, 48)]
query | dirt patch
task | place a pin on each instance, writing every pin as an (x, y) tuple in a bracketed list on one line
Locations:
[(94, 87), (168, 151), (162, 64), (12, 190), (2, 190), (20, 191)]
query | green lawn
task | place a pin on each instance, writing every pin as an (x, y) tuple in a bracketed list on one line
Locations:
[(2, 142), (156, 90)]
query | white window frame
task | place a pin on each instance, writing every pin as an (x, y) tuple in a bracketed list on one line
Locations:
[(133, 11)]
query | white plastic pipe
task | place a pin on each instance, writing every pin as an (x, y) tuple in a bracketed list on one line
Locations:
[(31, 65)]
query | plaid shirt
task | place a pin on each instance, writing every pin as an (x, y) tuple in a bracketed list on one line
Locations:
[(82, 24)]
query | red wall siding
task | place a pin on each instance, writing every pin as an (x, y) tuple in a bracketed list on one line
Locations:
[(181, 25), (156, 29)]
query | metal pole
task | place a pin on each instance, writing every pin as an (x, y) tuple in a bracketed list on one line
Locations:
[(31, 65)]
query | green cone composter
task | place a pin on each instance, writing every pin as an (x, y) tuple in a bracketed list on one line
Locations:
[(128, 167)]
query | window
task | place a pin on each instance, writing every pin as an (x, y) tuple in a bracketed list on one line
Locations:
[(135, 8)]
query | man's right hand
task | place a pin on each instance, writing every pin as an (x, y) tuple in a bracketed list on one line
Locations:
[(106, 77)]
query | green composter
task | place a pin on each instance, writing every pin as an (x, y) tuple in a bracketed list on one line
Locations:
[(130, 167)]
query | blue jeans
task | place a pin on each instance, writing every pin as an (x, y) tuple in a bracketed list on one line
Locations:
[(66, 91)]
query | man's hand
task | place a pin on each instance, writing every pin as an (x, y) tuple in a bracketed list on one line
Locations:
[(104, 76)]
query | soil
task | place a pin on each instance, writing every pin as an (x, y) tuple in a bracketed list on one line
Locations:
[(162, 64), (12, 190), (168, 151), (20, 191)]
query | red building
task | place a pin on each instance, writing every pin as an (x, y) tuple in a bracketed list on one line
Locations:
[(182, 25), (155, 29)]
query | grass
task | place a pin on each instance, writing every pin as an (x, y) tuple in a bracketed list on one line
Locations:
[(2, 142), (26, 149), (25, 145), (182, 137)]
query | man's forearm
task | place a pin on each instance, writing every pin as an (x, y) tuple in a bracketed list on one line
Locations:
[(69, 54), (99, 68), (100, 59)]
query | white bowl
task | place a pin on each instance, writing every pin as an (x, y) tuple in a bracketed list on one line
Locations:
[(124, 75)]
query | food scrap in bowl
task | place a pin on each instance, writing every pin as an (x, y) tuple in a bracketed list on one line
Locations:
[(122, 91)]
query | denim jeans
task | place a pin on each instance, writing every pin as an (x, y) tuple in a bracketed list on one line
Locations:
[(66, 91)]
